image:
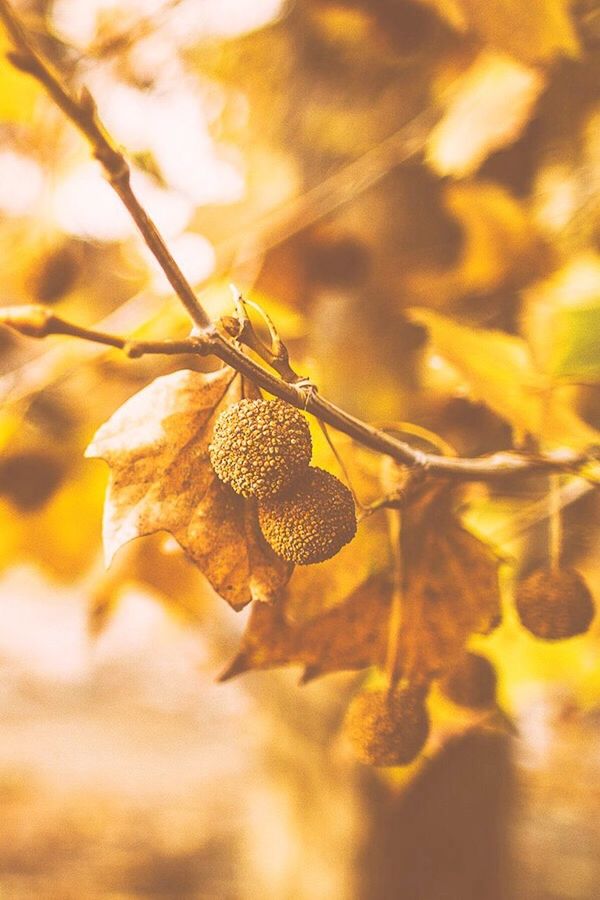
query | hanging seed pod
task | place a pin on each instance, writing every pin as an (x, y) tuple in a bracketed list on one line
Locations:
[(471, 682), (388, 729), (311, 521), (259, 447), (555, 605)]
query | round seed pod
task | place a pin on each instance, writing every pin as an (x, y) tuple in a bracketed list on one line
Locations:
[(388, 729), (259, 447), (555, 605), (472, 682), (311, 521)]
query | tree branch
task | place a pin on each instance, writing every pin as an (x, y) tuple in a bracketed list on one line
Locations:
[(37, 321), (83, 114), (209, 339)]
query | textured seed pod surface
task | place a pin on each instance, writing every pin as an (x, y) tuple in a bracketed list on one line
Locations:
[(259, 447), (311, 521), (555, 605), (387, 730), (471, 682)]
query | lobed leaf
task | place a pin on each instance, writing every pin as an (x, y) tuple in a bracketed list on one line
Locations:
[(450, 591), (450, 585), (353, 635), (156, 445)]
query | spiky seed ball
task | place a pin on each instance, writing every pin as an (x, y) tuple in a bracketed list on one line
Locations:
[(311, 520), (555, 605), (387, 729), (259, 447), (471, 682)]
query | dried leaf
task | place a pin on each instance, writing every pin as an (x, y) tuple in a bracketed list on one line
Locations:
[(315, 589), (450, 585), (353, 635), (450, 592), (490, 104), (156, 445)]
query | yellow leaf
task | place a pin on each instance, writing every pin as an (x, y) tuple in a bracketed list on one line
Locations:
[(156, 445), (497, 367), (62, 536), (562, 320), (500, 246), (489, 105), (535, 31), (498, 370), (50, 501), (18, 92)]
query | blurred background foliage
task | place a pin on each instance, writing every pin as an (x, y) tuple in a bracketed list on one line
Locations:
[(411, 189)]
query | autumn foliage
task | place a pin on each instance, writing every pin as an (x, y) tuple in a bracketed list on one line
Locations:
[(395, 527)]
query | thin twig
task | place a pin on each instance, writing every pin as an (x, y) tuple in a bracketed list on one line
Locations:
[(338, 189), (396, 610), (343, 467), (39, 322), (36, 321), (554, 524), (208, 339), (83, 114), (268, 231)]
